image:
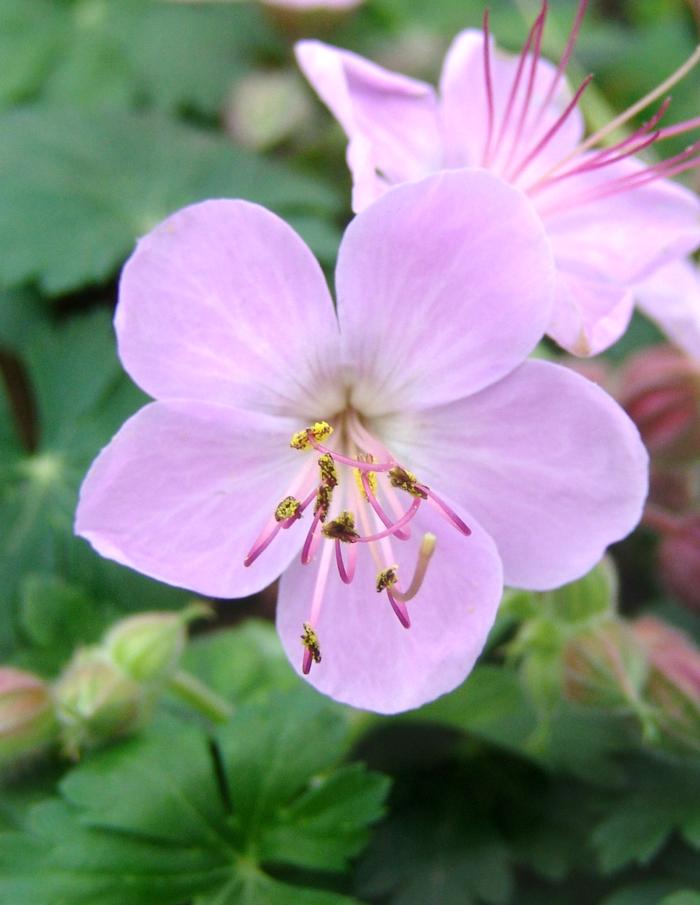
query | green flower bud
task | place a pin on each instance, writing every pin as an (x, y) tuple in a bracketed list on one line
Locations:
[(27, 721), (96, 701), (148, 647)]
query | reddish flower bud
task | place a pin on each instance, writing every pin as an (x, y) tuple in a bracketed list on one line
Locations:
[(27, 723), (679, 560)]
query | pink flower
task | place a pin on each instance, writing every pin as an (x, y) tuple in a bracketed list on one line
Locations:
[(453, 462), (671, 297), (611, 219)]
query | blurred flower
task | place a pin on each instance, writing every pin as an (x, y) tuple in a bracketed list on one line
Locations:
[(27, 722), (517, 117), (671, 297), (267, 108), (148, 647), (224, 316), (679, 559), (96, 701), (673, 687)]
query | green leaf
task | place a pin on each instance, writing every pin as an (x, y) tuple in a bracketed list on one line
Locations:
[(172, 817), (77, 189), (682, 897)]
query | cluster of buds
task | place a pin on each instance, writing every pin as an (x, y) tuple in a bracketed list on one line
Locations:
[(106, 691), (659, 387)]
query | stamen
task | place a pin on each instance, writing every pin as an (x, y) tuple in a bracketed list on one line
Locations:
[(310, 542), (329, 473), (519, 129), (400, 609), (346, 460), (265, 538), (369, 494), (342, 528), (450, 514), (488, 81), (386, 578), (324, 495), (368, 477), (303, 440), (392, 530), (312, 650), (427, 548), (566, 55), (288, 508), (406, 480), (346, 573)]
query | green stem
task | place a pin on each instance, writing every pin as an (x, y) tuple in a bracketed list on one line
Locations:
[(198, 696)]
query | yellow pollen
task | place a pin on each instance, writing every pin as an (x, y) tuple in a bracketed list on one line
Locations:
[(319, 431), (371, 480), (406, 480), (324, 494), (342, 528), (310, 641), (386, 578), (329, 473), (287, 508)]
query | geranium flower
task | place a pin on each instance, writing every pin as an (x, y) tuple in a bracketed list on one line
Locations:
[(395, 460), (671, 297), (611, 219)]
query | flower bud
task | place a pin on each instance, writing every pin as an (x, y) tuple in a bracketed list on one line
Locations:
[(660, 390), (27, 722), (148, 647), (605, 667), (673, 686), (267, 108), (679, 560), (308, 18), (96, 701)]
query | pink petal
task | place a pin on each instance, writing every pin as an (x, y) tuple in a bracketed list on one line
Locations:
[(368, 659), (444, 286), (623, 237), (671, 297), (224, 302), (183, 490), (546, 461), (391, 120), (466, 117), (589, 314)]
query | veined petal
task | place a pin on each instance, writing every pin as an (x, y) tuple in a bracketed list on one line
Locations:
[(444, 286), (182, 491), (621, 238), (223, 302), (368, 659), (589, 315), (547, 462), (390, 120), (671, 297), (465, 108)]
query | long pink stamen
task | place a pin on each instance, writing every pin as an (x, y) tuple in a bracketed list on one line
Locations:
[(488, 82), (311, 541), (265, 538), (450, 514), (549, 135), (399, 607), (520, 128), (355, 463), (390, 532), (566, 55), (316, 601), (381, 514), (688, 126), (346, 573), (287, 523)]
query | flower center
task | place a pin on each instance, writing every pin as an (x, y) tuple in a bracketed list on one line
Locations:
[(360, 498)]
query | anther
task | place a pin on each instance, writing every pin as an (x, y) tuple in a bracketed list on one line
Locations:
[(370, 477), (318, 432), (288, 508), (342, 528), (312, 650), (407, 481), (324, 495), (387, 578), (329, 473)]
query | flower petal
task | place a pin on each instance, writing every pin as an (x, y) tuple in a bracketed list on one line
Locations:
[(589, 314), (621, 237), (224, 302), (368, 659), (183, 490), (671, 297), (444, 286), (548, 463), (466, 111), (390, 120)]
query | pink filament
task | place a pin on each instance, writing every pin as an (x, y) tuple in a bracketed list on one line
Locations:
[(346, 573), (488, 81), (404, 520), (310, 542), (566, 55), (381, 514), (450, 514), (399, 607)]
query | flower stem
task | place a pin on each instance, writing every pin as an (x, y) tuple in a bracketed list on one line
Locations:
[(198, 696)]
